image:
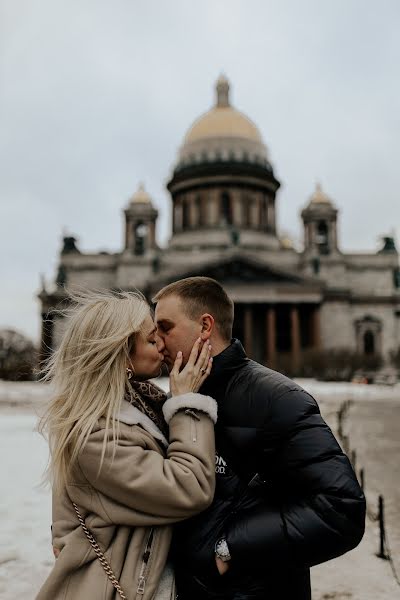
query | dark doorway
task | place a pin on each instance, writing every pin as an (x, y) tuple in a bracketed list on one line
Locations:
[(369, 342)]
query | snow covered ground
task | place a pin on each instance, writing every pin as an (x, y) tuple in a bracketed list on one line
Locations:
[(29, 393), (25, 507)]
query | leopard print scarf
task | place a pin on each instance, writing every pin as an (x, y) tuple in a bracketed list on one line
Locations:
[(149, 399)]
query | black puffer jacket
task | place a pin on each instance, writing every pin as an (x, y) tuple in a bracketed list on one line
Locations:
[(286, 496)]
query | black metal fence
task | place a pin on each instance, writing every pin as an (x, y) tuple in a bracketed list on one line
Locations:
[(384, 551)]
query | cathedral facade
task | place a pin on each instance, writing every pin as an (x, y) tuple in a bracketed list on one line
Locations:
[(223, 194)]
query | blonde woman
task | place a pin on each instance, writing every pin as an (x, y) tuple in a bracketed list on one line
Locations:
[(125, 462)]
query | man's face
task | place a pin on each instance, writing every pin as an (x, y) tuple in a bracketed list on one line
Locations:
[(177, 331)]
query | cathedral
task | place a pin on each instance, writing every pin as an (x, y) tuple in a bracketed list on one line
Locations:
[(223, 199)]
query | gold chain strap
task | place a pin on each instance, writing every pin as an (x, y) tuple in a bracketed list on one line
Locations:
[(99, 554)]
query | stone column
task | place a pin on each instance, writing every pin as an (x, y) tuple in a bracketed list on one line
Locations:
[(306, 236), (178, 215), (173, 217), (248, 330), (204, 209), (214, 216), (193, 212), (254, 213), (272, 215), (315, 328), (127, 232), (271, 336), (261, 210), (334, 235), (152, 234), (264, 224), (314, 234), (295, 335)]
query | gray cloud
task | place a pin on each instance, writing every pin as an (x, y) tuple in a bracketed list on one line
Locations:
[(97, 96)]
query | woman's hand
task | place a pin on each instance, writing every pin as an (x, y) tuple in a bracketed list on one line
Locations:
[(195, 372)]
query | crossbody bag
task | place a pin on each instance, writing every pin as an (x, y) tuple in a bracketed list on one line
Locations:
[(100, 555)]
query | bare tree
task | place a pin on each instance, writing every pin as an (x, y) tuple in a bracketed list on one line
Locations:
[(18, 356)]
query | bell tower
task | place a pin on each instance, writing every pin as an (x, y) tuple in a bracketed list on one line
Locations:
[(140, 224), (320, 220)]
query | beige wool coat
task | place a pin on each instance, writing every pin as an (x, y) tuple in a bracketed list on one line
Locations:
[(131, 504)]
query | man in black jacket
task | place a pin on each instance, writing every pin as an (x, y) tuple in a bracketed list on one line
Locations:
[(286, 496)]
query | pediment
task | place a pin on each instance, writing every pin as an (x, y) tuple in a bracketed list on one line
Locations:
[(240, 270)]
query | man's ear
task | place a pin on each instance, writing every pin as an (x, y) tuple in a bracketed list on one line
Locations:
[(207, 326)]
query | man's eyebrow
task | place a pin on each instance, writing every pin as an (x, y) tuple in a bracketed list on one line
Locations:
[(164, 322)]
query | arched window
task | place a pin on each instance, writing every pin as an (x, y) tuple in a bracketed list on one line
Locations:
[(369, 335), (322, 237), (185, 214), (140, 234), (247, 204), (226, 209), (264, 213), (369, 342)]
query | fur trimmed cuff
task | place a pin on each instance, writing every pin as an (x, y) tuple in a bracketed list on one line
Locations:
[(198, 402)]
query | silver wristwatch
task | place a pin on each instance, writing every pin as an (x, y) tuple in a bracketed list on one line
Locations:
[(222, 550)]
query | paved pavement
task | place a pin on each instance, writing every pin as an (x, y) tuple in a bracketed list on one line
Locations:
[(371, 429)]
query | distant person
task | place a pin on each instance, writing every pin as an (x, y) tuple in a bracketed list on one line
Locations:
[(286, 496), (118, 473)]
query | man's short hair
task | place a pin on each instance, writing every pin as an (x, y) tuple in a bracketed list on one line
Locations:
[(201, 295)]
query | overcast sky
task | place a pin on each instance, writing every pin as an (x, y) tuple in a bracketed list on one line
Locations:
[(96, 96)]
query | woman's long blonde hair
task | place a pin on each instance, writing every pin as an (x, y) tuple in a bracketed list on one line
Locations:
[(88, 374)]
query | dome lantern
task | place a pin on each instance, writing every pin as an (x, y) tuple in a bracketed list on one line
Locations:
[(222, 89), (141, 196), (319, 196)]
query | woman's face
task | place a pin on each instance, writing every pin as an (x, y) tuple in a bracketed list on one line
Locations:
[(148, 355)]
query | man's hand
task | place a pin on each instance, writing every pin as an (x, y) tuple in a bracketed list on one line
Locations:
[(221, 565)]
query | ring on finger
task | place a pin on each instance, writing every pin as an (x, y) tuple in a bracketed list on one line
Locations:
[(203, 371)]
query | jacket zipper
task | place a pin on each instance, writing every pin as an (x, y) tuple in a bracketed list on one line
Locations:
[(193, 425), (145, 560)]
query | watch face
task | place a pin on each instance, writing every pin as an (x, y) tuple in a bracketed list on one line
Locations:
[(222, 550)]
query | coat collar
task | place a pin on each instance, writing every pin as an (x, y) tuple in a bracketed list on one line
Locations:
[(224, 367), (130, 415)]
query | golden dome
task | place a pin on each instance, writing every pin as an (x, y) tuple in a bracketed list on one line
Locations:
[(223, 132), (223, 122), (319, 196), (140, 196)]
